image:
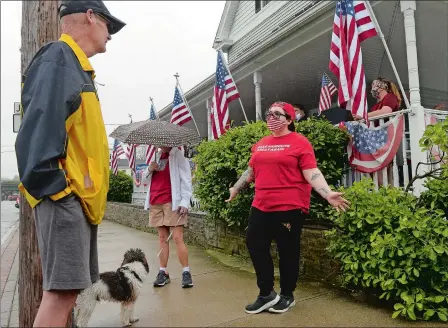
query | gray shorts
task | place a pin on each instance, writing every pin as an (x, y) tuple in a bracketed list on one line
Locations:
[(67, 245)]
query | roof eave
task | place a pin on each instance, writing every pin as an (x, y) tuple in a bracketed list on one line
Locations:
[(208, 82), (226, 22)]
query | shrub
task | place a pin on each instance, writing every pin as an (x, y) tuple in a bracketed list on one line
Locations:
[(120, 188), (436, 135), (436, 194), (221, 162), (394, 249), (330, 147)]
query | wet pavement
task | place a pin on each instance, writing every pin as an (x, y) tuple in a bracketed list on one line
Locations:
[(220, 294), (9, 217), (218, 297)]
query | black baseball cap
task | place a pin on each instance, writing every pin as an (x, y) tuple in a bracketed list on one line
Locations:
[(69, 7)]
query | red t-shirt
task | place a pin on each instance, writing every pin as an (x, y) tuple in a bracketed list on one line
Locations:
[(389, 100), (277, 163), (161, 183)]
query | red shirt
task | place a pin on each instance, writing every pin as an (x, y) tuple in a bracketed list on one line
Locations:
[(277, 163), (160, 192), (389, 100)]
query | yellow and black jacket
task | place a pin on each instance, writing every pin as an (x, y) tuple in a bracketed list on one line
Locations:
[(62, 146)]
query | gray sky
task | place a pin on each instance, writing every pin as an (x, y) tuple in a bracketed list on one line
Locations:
[(160, 39)]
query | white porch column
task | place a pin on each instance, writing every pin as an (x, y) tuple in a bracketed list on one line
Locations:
[(257, 81), (416, 117), (208, 105)]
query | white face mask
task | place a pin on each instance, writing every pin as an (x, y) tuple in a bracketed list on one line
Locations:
[(298, 117)]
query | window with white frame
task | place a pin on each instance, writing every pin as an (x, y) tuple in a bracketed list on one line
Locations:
[(260, 4)]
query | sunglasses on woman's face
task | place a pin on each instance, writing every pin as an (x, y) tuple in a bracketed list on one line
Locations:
[(275, 114)]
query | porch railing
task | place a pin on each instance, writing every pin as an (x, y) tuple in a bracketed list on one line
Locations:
[(399, 173)]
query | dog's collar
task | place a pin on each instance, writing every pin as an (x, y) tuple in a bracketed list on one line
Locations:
[(134, 273)]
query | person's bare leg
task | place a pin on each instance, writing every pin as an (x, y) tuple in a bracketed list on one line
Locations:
[(181, 248), (55, 308), (164, 232)]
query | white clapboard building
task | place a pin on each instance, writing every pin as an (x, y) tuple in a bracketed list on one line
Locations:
[(278, 50)]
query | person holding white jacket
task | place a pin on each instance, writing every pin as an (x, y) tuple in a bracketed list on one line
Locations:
[(168, 198)]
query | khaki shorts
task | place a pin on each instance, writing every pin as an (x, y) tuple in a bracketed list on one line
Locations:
[(162, 215)]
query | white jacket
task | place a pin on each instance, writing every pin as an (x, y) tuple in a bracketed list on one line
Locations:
[(180, 176)]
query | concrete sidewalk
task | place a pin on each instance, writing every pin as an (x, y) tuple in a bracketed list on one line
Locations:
[(9, 289), (221, 293)]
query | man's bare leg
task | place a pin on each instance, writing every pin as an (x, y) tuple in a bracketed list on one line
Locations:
[(181, 248), (164, 232), (55, 308)]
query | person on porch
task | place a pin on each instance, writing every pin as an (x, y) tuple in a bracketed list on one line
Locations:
[(168, 197), (388, 101), (300, 113), (284, 168)]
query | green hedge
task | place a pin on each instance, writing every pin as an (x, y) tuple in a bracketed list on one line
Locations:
[(120, 187), (219, 164), (391, 247)]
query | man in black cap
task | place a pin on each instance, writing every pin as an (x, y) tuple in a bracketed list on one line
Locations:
[(63, 155)]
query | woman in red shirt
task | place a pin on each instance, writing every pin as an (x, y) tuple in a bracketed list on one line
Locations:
[(388, 101), (284, 169), (388, 96)]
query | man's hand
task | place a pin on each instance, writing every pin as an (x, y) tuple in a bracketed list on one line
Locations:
[(335, 199), (153, 167), (358, 118), (182, 210), (233, 194)]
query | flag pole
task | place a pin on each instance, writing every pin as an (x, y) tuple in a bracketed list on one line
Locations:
[(185, 100), (381, 35), (152, 103), (228, 70)]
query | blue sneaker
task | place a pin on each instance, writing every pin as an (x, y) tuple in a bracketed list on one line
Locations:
[(162, 279), (263, 303), (187, 281), (283, 305)]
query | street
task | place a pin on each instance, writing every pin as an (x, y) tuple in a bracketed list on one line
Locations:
[(10, 216)]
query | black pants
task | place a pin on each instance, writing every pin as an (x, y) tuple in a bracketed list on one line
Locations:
[(263, 228)]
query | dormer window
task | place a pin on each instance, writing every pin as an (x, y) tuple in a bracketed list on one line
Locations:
[(260, 4)]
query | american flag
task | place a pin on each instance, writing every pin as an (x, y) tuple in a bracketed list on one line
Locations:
[(352, 25), (328, 89), (372, 149), (117, 152), (131, 154), (180, 113), (225, 92), (150, 150)]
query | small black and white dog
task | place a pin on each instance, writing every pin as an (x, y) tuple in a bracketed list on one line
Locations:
[(122, 286)]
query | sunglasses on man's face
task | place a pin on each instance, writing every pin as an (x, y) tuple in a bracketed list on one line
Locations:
[(106, 21), (275, 114)]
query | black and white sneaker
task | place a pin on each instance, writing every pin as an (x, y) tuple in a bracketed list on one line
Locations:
[(162, 279), (283, 305), (262, 303), (187, 281)]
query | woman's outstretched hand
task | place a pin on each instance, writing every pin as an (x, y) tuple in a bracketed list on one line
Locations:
[(233, 192), (337, 201)]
